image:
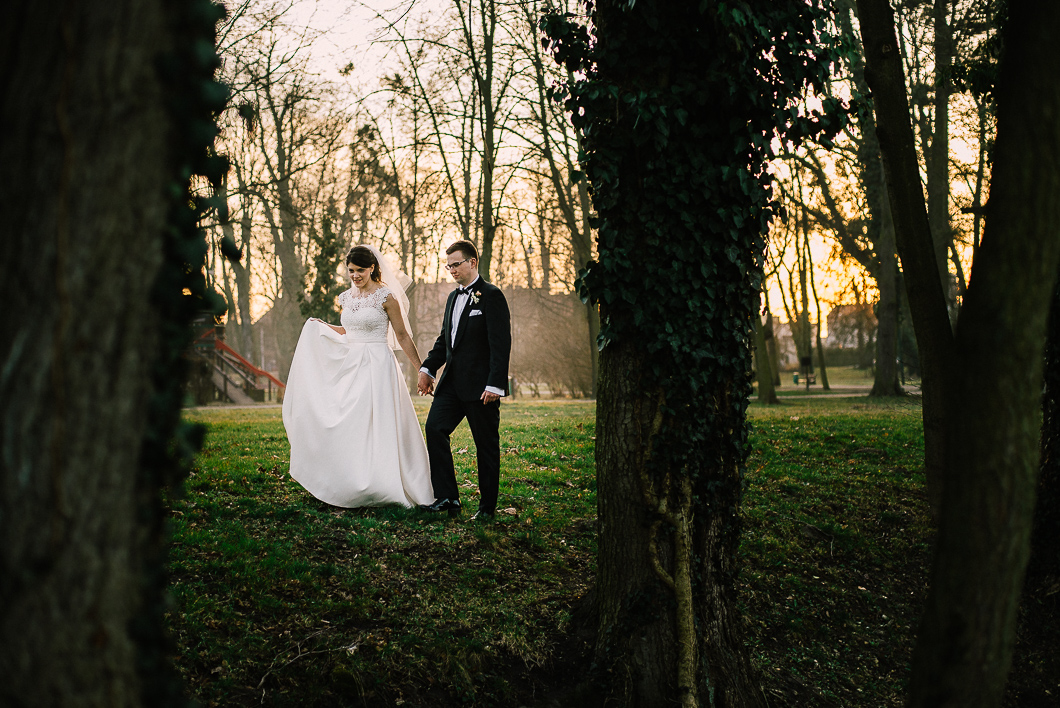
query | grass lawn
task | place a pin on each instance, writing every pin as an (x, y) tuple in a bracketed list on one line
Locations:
[(281, 600)]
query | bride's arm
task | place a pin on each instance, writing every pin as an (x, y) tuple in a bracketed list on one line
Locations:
[(393, 311), (340, 330)]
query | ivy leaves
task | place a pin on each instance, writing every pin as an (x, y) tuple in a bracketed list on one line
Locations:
[(679, 107)]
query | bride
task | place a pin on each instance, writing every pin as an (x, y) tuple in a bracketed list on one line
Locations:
[(355, 440)]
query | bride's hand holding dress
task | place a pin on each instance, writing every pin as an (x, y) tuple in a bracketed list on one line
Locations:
[(338, 330), (355, 439)]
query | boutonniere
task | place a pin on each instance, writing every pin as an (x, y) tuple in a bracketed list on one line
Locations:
[(474, 296)]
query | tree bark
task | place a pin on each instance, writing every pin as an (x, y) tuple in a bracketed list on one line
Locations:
[(583, 251), (927, 300), (817, 333), (634, 626), (938, 152), (964, 647), (1045, 538), (767, 392), (83, 178), (649, 607), (669, 630), (771, 345), (885, 382), (883, 260)]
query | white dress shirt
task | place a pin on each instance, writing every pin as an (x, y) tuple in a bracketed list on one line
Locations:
[(458, 307)]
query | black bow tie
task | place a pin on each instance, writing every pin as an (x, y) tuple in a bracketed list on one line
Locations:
[(463, 291)]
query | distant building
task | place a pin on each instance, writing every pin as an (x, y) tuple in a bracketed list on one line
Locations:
[(850, 340), (851, 326), (786, 355)]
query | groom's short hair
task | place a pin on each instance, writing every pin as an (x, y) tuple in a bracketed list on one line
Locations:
[(465, 247)]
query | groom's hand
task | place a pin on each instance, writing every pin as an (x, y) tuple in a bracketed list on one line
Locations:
[(425, 384), (489, 397)]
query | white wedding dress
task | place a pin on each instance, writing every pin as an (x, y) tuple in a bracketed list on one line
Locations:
[(355, 440)]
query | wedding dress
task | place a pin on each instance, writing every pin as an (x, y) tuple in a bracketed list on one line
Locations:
[(355, 440)]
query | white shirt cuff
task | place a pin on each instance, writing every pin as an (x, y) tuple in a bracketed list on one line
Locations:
[(492, 389), (425, 371)]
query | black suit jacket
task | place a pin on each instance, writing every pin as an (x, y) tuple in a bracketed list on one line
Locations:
[(479, 357)]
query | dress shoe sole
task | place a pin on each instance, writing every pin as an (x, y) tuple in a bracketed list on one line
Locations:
[(431, 509)]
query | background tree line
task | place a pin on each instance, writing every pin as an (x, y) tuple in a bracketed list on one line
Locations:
[(452, 135), (449, 132)]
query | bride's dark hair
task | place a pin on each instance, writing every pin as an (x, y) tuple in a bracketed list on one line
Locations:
[(362, 256)]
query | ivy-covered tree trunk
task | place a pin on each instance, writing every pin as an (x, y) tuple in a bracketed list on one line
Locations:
[(104, 110), (635, 609), (677, 115)]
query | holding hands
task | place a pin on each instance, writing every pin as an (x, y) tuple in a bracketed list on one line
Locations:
[(425, 384)]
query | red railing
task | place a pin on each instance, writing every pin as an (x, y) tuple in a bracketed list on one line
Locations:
[(231, 358), (246, 364)]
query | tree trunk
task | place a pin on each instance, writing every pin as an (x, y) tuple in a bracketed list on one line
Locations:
[(84, 182), (767, 393), (238, 330), (771, 346), (633, 624), (885, 382), (669, 451), (817, 305), (288, 320), (483, 67), (927, 300), (583, 253), (879, 259), (1045, 539), (647, 614), (938, 153), (964, 647), (821, 361)]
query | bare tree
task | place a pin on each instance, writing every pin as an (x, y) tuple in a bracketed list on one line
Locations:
[(550, 136), (292, 131)]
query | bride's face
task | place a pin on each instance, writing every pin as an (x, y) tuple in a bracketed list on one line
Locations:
[(360, 275)]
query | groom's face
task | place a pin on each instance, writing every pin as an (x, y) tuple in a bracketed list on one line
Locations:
[(462, 268)]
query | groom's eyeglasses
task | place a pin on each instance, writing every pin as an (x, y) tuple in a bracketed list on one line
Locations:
[(454, 266)]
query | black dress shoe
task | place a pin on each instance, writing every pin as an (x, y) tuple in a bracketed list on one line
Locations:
[(483, 515), (450, 505)]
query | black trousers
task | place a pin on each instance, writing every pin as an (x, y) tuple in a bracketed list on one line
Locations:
[(484, 419)]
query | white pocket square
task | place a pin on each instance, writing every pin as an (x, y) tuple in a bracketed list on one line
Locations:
[(474, 312)]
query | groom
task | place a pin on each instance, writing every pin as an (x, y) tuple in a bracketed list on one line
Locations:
[(474, 346)]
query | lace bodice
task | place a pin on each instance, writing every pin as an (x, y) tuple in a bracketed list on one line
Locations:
[(363, 316)]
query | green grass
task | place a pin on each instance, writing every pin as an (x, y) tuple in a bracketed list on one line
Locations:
[(279, 595), (282, 600), (835, 546)]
